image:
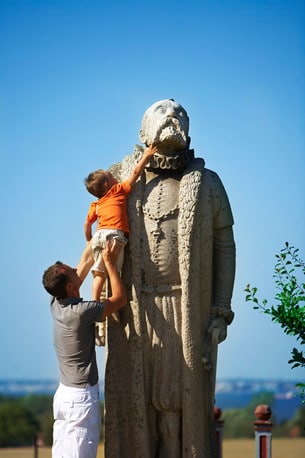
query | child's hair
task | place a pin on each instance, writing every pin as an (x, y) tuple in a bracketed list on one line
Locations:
[(55, 280), (95, 182)]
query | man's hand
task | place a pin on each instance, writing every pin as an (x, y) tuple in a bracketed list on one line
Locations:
[(111, 251)]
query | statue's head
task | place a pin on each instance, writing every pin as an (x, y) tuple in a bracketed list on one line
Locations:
[(165, 124)]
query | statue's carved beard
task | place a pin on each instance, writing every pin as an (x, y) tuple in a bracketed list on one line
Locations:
[(171, 135)]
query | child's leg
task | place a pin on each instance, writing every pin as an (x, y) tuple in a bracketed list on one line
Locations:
[(97, 285), (100, 333), (97, 288), (99, 277)]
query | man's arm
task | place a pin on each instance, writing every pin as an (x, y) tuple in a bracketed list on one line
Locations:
[(148, 153), (85, 262), (118, 298)]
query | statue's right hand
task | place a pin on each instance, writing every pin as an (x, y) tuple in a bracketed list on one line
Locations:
[(220, 324)]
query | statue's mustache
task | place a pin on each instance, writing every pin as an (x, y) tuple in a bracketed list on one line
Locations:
[(171, 123)]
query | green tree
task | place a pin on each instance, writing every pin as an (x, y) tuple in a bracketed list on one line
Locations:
[(17, 425), (37, 403), (22, 418), (297, 423), (46, 422), (289, 307)]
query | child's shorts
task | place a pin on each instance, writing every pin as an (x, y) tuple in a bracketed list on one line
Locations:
[(98, 244)]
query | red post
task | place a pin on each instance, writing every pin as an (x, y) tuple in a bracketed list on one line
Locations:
[(219, 430), (263, 431)]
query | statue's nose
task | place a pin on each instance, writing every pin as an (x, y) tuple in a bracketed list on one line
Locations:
[(170, 112)]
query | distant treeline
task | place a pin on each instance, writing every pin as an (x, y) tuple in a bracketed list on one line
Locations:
[(239, 421), (28, 418)]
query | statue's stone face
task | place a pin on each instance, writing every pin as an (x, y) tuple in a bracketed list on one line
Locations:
[(165, 123)]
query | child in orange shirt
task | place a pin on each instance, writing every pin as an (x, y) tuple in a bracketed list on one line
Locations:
[(110, 210)]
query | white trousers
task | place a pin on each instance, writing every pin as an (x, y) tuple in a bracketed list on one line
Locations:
[(77, 426), (98, 244)]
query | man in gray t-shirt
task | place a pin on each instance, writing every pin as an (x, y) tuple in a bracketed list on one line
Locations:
[(76, 402)]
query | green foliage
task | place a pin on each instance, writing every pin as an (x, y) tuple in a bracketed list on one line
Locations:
[(37, 404), (17, 425), (289, 307), (297, 422), (23, 418), (46, 426), (294, 427), (239, 422), (41, 407)]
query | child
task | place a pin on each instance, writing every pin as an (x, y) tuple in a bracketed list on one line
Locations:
[(110, 210)]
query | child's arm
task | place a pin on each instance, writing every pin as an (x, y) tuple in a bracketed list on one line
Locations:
[(87, 230), (90, 220), (148, 153)]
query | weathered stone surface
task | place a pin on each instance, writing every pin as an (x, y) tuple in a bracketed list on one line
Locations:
[(179, 272)]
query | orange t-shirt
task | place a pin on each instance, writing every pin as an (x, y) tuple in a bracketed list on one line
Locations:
[(111, 209)]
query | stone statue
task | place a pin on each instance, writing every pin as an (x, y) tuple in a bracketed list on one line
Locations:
[(179, 272)]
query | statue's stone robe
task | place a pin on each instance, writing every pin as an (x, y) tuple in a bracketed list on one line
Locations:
[(203, 208)]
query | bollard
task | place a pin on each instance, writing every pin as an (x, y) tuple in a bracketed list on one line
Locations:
[(219, 430), (263, 431), (35, 445)]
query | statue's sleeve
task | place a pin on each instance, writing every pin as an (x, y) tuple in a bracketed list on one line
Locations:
[(222, 209), (223, 253)]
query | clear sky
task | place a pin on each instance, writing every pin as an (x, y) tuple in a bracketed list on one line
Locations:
[(75, 80)]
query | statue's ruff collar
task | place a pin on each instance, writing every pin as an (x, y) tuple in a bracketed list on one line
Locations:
[(160, 161)]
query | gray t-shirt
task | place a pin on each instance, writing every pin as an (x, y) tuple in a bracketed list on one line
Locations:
[(74, 340)]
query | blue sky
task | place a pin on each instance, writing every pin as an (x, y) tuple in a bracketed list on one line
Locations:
[(75, 80)]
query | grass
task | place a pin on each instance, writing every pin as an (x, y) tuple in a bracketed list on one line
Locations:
[(281, 448), (232, 448)]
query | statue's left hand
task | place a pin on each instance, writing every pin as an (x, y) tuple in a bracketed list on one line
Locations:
[(219, 323)]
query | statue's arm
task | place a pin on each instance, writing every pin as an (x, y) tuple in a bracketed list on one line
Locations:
[(223, 267), (223, 279), (223, 258)]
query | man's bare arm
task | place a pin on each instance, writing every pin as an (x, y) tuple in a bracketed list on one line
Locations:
[(85, 263)]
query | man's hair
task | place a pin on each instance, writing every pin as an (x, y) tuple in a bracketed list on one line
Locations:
[(95, 182), (55, 280)]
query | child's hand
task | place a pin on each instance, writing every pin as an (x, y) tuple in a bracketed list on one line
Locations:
[(148, 153), (151, 150)]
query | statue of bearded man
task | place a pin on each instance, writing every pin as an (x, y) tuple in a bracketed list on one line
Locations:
[(179, 272)]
